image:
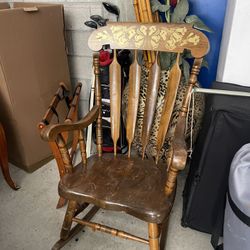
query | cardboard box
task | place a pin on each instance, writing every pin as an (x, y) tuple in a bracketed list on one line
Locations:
[(33, 61)]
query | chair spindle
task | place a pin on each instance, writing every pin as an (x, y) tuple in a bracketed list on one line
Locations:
[(115, 100), (65, 154), (82, 146), (98, 100)]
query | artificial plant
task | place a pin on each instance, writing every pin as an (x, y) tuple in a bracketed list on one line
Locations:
[(176, 11)]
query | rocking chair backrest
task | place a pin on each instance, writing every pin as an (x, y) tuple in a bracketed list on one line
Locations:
[(154, 37)]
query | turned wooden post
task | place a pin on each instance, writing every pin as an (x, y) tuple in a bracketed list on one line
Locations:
[(71, 210), (82, 146), (153, 232), (179, 155), (65, 154), (98, 101)]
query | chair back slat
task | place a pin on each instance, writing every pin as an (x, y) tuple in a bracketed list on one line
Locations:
[(151, 98), (151, 38), (115, 100), (133, 100), (168, 106)]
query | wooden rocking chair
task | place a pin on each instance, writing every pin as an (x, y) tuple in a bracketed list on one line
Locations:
[(144, 188)]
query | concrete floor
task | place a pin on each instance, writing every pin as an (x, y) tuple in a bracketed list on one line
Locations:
[(29, 220)]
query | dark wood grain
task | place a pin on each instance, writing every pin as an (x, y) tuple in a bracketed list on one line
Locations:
[(110, 182)]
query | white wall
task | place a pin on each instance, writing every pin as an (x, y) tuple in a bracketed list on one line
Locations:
[(80, 57), (234, 60)]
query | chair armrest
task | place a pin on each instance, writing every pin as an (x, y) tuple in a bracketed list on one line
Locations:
[(50, 132), (51, 111), (179, 157), (73, 110)]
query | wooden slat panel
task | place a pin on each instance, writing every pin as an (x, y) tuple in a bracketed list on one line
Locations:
[(152, 92), (115, 99), (150, 36), (173, 83), (133, 100)]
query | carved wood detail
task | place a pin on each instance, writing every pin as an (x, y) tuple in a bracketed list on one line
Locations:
[(156, 37)]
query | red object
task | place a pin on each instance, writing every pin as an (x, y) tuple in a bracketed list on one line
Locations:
[(173, 3), (104, 57)]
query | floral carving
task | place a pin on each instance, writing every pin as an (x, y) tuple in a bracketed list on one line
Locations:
[(171, 37)]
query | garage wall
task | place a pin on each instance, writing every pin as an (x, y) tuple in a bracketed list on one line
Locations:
[(80, 57), (234, 55)]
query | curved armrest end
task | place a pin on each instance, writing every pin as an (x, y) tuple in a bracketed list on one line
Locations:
[(50, 132), (179, 146)]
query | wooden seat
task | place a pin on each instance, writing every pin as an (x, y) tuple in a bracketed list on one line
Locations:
[(121, 184), (138, 186)]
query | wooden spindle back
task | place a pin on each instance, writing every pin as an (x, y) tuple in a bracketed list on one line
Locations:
[(148, 37)]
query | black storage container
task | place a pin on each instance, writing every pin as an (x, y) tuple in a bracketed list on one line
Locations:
[(226, 127)]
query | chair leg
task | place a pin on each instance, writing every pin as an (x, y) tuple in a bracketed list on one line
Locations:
[(71, 210), (61, 202), (153, 232), (4, 160), (164, 231)]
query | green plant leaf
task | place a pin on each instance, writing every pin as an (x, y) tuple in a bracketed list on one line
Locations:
[(187, 54), (165, 60), (180, 12), (197, 23), (204, 63), (156, 5), (185, 69)]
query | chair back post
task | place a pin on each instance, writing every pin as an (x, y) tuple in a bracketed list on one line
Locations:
[(82, 146), (179, 156), (98, 101), (191, 83), (64, 154)]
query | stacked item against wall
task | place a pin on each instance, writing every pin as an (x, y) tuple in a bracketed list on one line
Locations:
[(33, 61), (225, 130)]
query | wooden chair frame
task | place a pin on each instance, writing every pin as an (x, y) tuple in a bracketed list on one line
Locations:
[(62, 94), (133, 36)]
